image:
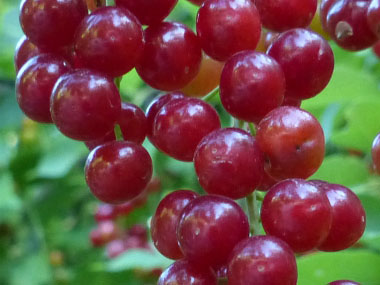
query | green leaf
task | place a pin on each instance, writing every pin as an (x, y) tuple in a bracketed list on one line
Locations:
[(321, 268), (342, 169), (138, 259), (10, 204)]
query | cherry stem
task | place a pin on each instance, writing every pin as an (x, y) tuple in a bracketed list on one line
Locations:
[(117, 81), (253, 213), (252, 129), (110, 3), (118, 133), (211, 95)]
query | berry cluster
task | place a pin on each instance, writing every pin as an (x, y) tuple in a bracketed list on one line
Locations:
[(265, 60)]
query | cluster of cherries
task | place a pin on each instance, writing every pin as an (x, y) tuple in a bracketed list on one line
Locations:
[(68, 64)]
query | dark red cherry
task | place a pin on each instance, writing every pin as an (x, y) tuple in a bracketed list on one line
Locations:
[(373, 17), (376, 153), (346, 23), (209, 228), (376, 49), (51, 24), (297, 212), (262, 260), (226, 27), (25, 50), (290, 101), (133, 123), (172, 56), (109, 40), (186, 273), (118, 171), (266, 182), (85, 105), (107, 138), (252, 84), (348, 218), (307, 61), (165, 220), (282, 15), (148, 12), (292, 141), (180, 125), (35, 82), (229, 162)]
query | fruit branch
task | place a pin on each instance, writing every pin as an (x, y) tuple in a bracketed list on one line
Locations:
[(253, 213), (211, 95)]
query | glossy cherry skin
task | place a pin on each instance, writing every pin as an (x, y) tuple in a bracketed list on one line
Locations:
[(292, 141), (25, 50), (165, 221), (376, 153), (344, 282), (51, 24), (207, 79), (133, 123), (35, 82), (107, 138), (118, 171), (290, 101), (307, 61), (346, 23), (209, 228), (226, 27), (155, 106), (186, 273), (228, 162), (85, 105), (252, 84), (348, 218), (171, 58), (266, 182), (180, 125), (109, 40), (323, 10), (262, 260), (282, 15), (376, 49), (297, 212), (373, 17), (148, 12)]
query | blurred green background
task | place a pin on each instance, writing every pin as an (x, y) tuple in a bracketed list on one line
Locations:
[(47, 212)]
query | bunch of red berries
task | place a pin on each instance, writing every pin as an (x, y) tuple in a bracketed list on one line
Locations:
[(69, 65)]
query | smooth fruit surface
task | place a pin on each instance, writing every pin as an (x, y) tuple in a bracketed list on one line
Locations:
[(85, 105), (252, 84), (262, 260), (209, 228), (171, 58), (24, 51), (307, 61), (181, 124), (292, 141), (133, 123), (344, 282), (35, 82), (297, 212), (229, 162), (109, 40), (51, 24), (165, 220), (118, 171), (228, 26), (373, 17)]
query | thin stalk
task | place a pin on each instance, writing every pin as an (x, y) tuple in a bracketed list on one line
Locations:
[(211, 95), (253, 213), (118, 133)]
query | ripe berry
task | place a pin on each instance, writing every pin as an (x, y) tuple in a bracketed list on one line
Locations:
[(181, 124), (35, 82), (105, 212), (50, 24), (186, 273), (118, 171), (344, 282), (85, 105), (172, 56), (109, 40), (148, 12), (107, 138), (373, 17), (297, 212), (229, 162), (133, 123), (262, 260), (348, 217), (282, 15), (209, 228), (292, 141), (376, 153), (226, 27), (104, 233), (165, 220), (307, 61), (25, 50), (252, 84), (346, 23)]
